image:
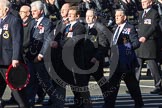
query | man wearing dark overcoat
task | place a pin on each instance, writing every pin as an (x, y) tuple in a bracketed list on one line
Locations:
[(96, 46), (73, 59), (11, 32), (147, 52)]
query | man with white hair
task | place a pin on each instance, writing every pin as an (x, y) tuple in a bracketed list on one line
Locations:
[(39, 40)]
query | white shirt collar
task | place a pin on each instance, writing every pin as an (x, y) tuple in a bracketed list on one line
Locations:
[(65, 18), (91, 25), (121, 28), (72, 23), (146, 10), (4, 17), (39, 20)]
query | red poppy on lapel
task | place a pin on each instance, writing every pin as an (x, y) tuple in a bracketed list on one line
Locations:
[(40, 27)]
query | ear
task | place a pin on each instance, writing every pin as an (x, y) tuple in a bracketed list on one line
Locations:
[(42, 11), (7, 9), (78, 16), (95, 18), (125, 17), (28, 14)]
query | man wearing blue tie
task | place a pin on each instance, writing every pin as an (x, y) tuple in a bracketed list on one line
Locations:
[(123, 60)]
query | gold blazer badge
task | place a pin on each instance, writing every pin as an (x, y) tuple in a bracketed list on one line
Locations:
[(6, 35)]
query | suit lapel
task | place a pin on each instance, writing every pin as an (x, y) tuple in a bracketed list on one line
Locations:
[(113, 36), (37, 30)]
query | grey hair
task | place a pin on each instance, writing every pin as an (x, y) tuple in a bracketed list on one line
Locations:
[(39, 5), (122, 10), (5, 3)]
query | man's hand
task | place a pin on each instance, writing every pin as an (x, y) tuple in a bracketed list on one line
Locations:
[(15, 63), (54, 44), (142, 39), (38, 58), (94, 60)]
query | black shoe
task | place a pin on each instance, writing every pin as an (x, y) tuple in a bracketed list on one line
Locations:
[(160, 93), (1, 103), (156, 91), (10, 102), (139, 105), (40, 101), (48, 103), (148, 72)]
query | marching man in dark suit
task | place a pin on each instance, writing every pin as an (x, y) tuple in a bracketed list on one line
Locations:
[(26, 18), (73, 31), (39, 41), (56, 47), (96, 45), (11, 32), (123, 60), (147, 31), (57, 42)]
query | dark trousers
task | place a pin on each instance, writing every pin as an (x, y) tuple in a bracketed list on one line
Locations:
[(20, 96), (81, 91), (56, 92), (40, 92), (153, 68), (82, 99), (101, 81), (32, 87), (131, 83)]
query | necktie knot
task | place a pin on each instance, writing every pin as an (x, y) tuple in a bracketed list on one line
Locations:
[(34, 27), (67, 29), (88, 30), (35, 24), (144, 14)]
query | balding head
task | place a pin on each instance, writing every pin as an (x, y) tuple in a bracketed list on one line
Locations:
[(65, 10), (25, 8), (24, 12)]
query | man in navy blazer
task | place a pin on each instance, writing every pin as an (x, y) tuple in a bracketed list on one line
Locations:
[(75, 61), (11, 32), (123, 60), (40, 37)]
